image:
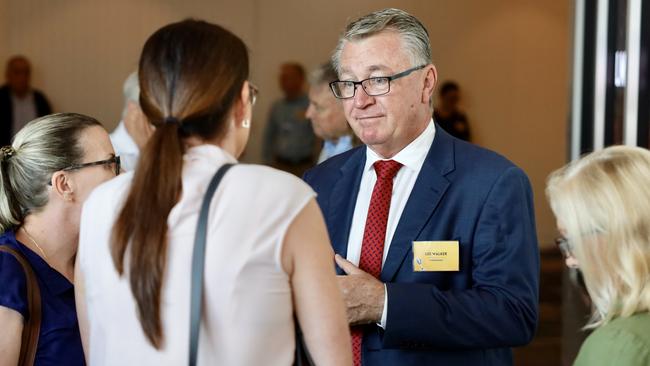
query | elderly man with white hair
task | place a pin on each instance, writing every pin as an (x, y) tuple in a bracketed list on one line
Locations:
[(133, 131), (326, 114)]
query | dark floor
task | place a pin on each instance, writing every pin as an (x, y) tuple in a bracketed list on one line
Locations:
[(546, 348)]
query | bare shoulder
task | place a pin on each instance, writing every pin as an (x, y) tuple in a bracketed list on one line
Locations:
[(262, 178)]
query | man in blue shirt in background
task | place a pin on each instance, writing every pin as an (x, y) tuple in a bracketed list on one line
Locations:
[(326, 114)]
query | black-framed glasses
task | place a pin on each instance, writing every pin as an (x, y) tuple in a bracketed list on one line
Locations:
[(345, 89), (565, 247), (253, 91), (114, 160)]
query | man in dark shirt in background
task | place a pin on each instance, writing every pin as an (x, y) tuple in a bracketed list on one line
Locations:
[(289, 141), (447, 114), (19, 103)]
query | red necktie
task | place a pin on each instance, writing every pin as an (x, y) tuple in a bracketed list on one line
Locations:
[(374, 235)]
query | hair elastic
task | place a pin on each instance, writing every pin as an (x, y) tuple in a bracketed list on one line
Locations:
[(7, 152), (172, 120)]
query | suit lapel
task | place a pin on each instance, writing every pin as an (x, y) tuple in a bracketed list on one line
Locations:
[(343, 199), (430, 186)]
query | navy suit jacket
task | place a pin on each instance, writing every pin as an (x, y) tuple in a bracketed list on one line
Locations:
[(469, 317)]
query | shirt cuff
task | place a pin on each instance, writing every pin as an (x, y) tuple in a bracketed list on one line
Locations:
[(384, 313)]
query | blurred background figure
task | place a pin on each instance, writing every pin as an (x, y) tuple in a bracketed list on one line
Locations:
[(326, 114), (602, 206), (289, 141), (134, 130), (45, 177), (447, 114), (19, 102)]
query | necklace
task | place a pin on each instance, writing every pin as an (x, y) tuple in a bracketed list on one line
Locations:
[(34, 242)]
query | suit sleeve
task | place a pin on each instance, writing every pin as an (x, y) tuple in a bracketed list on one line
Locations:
[(500, 309)]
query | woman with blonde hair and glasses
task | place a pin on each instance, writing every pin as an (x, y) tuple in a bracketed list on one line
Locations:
[(46, 174), (602, 206), (267, 253)]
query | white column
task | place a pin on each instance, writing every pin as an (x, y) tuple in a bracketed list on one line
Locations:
[(633, 38), (600, 77), (578, 69)]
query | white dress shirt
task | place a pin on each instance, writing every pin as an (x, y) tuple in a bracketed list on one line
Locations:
[(23, 110), (125, 147), (411, 157), (331, 148)]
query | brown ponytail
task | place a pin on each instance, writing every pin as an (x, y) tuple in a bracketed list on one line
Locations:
[(190, 73)]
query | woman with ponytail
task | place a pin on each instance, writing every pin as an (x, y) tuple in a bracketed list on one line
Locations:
[(45, 176), (267, 255)]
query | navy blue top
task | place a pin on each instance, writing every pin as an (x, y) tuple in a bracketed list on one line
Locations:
[(59, 342)]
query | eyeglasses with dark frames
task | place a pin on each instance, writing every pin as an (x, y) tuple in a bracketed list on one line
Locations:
[(375, 86), (565, 247), (114, 160)]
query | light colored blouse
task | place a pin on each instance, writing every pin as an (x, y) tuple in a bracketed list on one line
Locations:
[(248, 311)]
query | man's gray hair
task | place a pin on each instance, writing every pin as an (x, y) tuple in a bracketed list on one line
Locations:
[(323, 75), (415, 37), (131, 91)]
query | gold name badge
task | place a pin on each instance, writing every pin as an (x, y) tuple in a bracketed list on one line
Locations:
[(435, 256)]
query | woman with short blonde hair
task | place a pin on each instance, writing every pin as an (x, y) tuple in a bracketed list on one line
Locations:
[(602, 206)]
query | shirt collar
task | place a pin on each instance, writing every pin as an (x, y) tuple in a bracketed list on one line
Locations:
[(55, 281), (343, 141), (211, 152), (29, 97), (413, 155), (122, 140)]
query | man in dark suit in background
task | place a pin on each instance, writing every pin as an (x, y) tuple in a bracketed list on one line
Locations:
[(447, 114), (19, 103), (435, 238)]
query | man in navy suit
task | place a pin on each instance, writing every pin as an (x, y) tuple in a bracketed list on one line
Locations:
[(435, 238)]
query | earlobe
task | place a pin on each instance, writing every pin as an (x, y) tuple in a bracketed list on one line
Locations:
[(63, 186), (240, 106), (429, 84)]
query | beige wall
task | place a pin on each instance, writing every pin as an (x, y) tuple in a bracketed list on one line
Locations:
[(4, 33), (82, 50), (511, 57)]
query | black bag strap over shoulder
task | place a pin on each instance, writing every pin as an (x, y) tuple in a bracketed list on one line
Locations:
[(198, 263), (302, 356)]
